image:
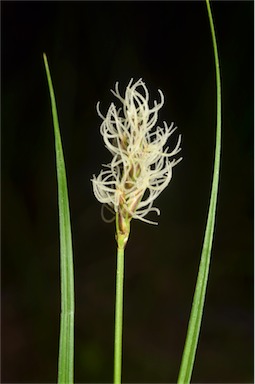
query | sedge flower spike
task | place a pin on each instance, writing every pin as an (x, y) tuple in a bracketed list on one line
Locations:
[(140, 168)]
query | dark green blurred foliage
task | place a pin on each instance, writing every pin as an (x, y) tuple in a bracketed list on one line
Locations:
[(90, 46)]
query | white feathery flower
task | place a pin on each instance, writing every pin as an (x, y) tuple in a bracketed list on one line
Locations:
[(141, 168)]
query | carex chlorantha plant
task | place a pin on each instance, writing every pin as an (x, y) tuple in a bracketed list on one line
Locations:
[(142, 164), (140, 169)]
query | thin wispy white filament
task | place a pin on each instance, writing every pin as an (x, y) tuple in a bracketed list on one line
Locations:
[(141, 167)]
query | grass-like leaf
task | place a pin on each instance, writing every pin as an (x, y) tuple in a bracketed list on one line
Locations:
[(66, 343), (188, 357)]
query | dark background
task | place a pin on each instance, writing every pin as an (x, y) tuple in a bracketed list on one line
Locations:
[(90, 46)]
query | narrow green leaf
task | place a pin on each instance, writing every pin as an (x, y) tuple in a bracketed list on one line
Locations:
[(189, 352), (66, 342)]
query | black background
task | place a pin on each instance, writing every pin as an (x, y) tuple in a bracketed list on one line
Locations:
[(90, 46)]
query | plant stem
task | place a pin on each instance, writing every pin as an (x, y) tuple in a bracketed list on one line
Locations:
[(118, 316), (194, 326)]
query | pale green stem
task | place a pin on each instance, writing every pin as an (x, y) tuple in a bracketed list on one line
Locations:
[(194, 326), (118, 316)]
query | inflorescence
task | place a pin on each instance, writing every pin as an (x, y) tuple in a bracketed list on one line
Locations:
[(140, 168)]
